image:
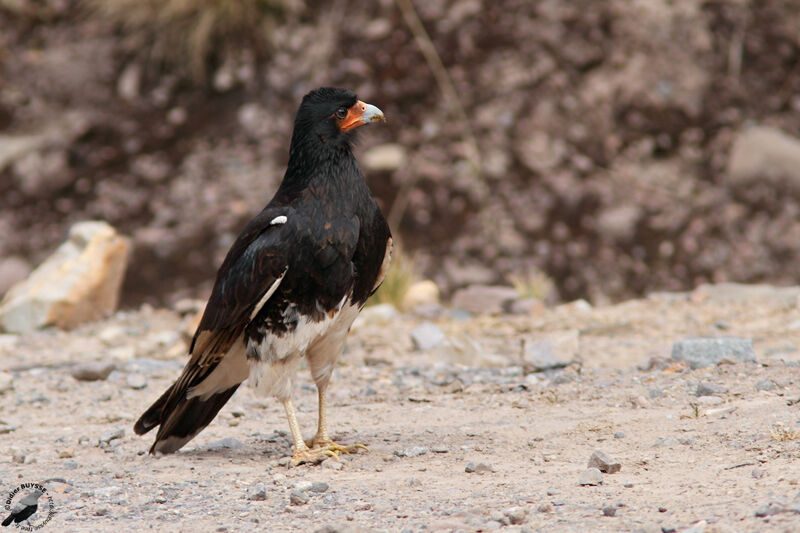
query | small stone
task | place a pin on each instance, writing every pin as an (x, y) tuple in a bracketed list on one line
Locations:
[(484, 299), (480, 468), (700, 352), (92, 371), (427, 335), (757, 473), (557, 350), (628, 485), (591, 476), (319, 486), (515, 515), (332, 464), (110, 435), (66, 453), (303, 485), (764, 384), (297, 498), (604, 462), (553, 492), (228, 443), (609, 510), (440, 449), (257, 493), (709, 389), (412, 451), (619, 435), (136, 381), (102, 511), (545, 508), (421, 293)]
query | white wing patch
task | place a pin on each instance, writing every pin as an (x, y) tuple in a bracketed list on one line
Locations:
[(278, 220), (269, 292)]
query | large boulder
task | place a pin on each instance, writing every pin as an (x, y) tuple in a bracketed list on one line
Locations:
[(79, 283)]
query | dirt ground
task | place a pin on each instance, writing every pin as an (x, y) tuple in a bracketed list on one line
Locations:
[(689, 463)]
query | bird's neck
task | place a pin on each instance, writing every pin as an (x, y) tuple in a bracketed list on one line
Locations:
[(329, 169)]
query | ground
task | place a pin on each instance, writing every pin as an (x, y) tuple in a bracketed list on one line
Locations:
[(425, 416)]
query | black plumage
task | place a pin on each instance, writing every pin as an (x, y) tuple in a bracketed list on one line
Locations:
[(291, 284)]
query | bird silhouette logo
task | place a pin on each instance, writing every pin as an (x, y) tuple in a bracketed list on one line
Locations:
[(29, 507)]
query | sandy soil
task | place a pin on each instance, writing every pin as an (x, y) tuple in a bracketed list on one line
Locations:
[(710, 463)]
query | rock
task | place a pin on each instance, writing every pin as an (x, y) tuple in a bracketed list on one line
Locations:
[(384, 157), (92, 370), (619, 435), (319, 486), (590, 476), (516, 515), (697, 527), (12, 270), (6, 382), (332, 464), (480, 468), (303, 485), (79, 283), (609, 510), (604, 463), (619, 222), (110, 435), (764, 384), (545, 508), (484, 299), (709, 389), (412, 451), (700, 352), (556, 350), (740, 293), (257, 493), (763, 153), (136, 381), (424, 292), (297, 498), (228, 443), (426, 336)]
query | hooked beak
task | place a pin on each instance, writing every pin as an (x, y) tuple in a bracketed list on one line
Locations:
[(358, 115)]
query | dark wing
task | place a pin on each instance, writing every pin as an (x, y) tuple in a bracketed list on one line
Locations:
[(254, 265)]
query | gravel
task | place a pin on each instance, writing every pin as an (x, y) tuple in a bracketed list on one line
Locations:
[(765, 384), (412, 451)]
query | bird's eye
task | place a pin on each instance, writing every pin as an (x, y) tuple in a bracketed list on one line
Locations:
[(341, 112)]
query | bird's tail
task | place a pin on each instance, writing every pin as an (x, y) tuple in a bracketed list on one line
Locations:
[(180, 418), (8, 520)]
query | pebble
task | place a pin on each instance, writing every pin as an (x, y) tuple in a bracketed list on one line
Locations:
[(480, 468), (297, 498), (516, 515), (709, 389), (92, 370), (619, 435), (66, 453), (591, 476), (545, 508), (764, 384), (426, 336), (553, 492), (332, 464), (757, 473), (609, 510), (700, 352), (440, 449), (257, 493), (412, 451), (110, 435), (136, 381), (319, 486), (228, 443), (603, 462), (303, 485)]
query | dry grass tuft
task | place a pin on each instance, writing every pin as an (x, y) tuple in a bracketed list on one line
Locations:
[(783, 434), (190, 34), (402, 274), (534, 284)]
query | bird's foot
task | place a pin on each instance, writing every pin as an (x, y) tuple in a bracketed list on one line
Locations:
[(315, 456), (334, 448)]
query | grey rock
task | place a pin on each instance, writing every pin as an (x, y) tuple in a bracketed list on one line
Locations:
[(427, 335), (319, 486), (764, 384), (700, 352), (110, 435), (591, 476), (332, 464), (303, 485), (516, 515), (557, 350), (297, 498), (92, 370), (228, 443), (545, 508), (553, 491), (619, 435), (763, 153), (412, 451), (480, 468), (709, 389), (609, 510), (136, 381), (257, 492), (440, 449), (484, 299), (603, 462)]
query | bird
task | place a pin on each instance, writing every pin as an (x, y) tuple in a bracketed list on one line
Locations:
[(24, 508), (290, 286)]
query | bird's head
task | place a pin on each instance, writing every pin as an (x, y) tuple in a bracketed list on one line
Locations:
[(330, 116)]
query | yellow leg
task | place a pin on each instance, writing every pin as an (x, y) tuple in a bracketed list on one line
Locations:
[(301, 452), (321, 440)]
